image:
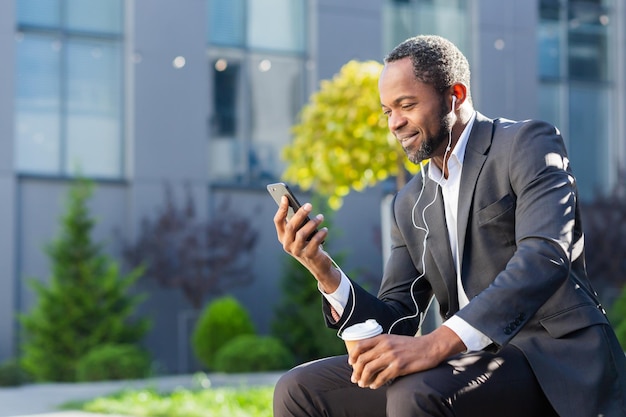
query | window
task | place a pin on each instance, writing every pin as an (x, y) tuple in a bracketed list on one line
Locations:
[(226, 90), (575, 90), (405, 18), (69, 102), (258, 84)]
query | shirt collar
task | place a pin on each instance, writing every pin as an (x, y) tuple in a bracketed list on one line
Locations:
[(458, 152)]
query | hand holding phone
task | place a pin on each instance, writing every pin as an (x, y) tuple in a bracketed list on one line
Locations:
[(280, 189)]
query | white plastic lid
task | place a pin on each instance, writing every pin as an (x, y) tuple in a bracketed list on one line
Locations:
[(369, 328)]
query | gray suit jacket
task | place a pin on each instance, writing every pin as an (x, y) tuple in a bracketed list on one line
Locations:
[(523, 269)]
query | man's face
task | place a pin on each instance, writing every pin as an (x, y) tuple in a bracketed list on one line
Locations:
[(416, 114)]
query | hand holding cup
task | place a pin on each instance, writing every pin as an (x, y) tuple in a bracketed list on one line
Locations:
[(360, 331)]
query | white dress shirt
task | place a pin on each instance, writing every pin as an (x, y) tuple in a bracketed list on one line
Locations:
[(473, 339)]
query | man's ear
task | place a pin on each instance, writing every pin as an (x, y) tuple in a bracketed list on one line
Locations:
[(459, 91)]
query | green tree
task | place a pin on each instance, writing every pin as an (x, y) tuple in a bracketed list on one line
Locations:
[(342, 141), (298, 320), (86, 302)]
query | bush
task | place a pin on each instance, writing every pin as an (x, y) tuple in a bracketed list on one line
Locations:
[(12, 374), (250, 353), (112, 362), (220, 322)]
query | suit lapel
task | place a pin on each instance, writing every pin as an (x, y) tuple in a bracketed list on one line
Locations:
[(437, 243), (475, 155)]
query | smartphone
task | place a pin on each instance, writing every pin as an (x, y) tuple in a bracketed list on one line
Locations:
[(279, 189)]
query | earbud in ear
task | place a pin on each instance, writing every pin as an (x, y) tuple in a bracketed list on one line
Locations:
[(453, 103)]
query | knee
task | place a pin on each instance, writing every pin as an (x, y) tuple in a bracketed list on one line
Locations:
[(415, 398), (288, 393), (288, 381)]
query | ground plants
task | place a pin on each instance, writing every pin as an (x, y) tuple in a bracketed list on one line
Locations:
[(231, 402)]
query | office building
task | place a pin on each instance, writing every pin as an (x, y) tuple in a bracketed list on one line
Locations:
[(201, 94)]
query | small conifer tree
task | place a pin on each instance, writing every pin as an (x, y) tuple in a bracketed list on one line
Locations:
[(298, 321), (85, 303)]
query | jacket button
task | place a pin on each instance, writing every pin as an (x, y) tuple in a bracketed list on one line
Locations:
[(507, 330)]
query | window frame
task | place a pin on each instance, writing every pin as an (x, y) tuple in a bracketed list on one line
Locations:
[(65, 36)]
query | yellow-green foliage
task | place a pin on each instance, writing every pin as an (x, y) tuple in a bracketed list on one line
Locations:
[(341, 141)]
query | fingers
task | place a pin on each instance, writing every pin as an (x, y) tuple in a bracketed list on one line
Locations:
[(295, 232), (379, 360), (368, 363), (280, 217), (373, 374)]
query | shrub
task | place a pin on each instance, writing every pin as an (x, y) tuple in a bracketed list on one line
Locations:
[(220, 322), (112, 362), (12, 374), (251, 353), (86, 302)]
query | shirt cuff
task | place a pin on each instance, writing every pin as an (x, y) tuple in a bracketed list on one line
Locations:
[(474, 339), (338, 299)]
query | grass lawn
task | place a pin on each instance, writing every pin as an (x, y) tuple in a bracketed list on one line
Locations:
[(210, 402)]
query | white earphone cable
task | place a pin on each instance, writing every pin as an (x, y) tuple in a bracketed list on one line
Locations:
[(426, 229)]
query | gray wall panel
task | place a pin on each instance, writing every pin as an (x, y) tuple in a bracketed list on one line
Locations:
[(171, 105), (346, 31), (7, 183), (504, 58), (8, 282)]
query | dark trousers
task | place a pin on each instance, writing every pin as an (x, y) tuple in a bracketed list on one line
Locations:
[(478, 384)]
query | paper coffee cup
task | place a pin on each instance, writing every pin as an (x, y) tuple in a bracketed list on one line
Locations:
[(369, 328)]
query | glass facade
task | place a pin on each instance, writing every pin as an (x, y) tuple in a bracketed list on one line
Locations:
[(69, 87), (406, 18), (258, 84), (574, 39)]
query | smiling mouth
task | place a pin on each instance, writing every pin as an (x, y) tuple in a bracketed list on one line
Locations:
[(407, 140)]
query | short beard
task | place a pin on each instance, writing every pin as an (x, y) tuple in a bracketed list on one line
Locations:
[(431, 144)]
